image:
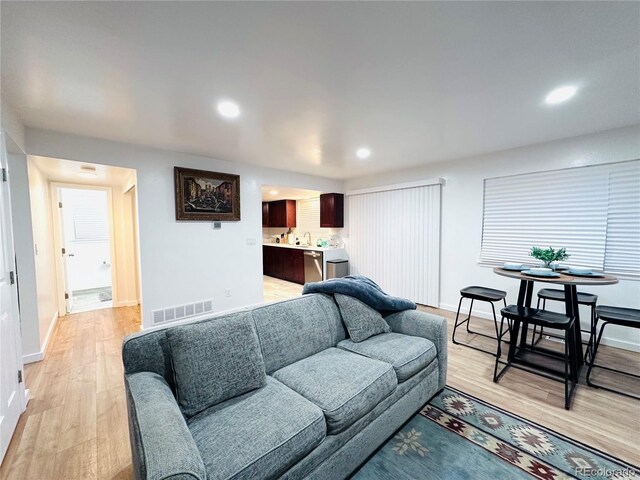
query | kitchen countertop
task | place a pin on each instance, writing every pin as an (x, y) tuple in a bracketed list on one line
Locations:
[(300, 247)]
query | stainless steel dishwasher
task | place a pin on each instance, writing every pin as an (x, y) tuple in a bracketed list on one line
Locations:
[(312, 266)]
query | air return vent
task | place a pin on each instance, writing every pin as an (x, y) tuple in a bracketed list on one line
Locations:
[(181, 312)]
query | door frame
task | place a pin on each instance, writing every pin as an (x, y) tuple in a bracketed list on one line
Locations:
[(57, 240)]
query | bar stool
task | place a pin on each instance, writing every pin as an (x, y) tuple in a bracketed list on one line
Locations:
[(588, 299), (541, 318), (482, 294), (624, 317)]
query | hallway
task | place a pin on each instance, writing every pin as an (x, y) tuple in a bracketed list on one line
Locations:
[(77, 405)]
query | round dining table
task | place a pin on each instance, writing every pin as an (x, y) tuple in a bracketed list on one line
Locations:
[(570, 284)]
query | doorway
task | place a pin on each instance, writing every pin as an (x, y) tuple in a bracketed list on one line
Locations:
[(86, 243)]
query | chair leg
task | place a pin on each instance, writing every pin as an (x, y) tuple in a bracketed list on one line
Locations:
[(469, 317), (501, 333), (592, 332), (593, 356), (567, 360), (456, 324)]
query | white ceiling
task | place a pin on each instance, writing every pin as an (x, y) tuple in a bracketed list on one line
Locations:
[(68, 171), (287, 193), (415, 81)]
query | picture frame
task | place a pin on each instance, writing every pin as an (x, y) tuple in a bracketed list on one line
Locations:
[(206, 196)]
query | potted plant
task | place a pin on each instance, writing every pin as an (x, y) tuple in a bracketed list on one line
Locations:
[(549, 255)]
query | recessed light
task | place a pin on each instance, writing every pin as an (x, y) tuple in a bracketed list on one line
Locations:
[(560, 95), (363, 152), (228, 109), (87, 171), (273, 192)]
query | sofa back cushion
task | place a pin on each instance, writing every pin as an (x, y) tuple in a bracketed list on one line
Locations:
[(295, 329), (215, 361)]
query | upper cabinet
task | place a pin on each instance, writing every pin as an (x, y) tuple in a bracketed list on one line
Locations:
[(265, 214), (281, 213), (332, 210)]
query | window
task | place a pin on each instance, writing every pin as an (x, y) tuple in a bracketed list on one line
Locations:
[(89, 213), (594, 212)]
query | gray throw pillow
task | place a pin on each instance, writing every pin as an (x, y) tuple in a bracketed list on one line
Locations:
[(361, 320), (215, 360)]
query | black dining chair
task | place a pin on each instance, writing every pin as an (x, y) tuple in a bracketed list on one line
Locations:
[(542, 318), (623, 317), (482, 294), (557, 295)]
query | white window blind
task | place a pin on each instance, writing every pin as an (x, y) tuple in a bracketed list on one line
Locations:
[(622, 255), (591, 211), (90, 219)]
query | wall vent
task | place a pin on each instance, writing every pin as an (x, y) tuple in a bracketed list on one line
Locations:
[(181, 312)]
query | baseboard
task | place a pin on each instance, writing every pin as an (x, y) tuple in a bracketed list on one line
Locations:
[(52, 326), (611, 342), (126, 303), (36, 357), (32, 357)]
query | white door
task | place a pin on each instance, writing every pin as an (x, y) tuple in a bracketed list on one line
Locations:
[(11, 392)]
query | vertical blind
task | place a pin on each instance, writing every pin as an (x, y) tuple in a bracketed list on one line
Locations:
[(394, 238), (593, 212)]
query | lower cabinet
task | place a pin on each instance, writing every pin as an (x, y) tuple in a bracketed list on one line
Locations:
[(283, 263)]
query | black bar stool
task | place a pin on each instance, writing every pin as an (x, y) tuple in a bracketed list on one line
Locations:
[(482, 294), (557, 295), (624, 317), (540, 318)]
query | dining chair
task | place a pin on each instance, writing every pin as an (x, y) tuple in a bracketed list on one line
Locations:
[(623, 317)]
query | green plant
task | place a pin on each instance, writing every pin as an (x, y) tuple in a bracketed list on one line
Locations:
[(549, 255)]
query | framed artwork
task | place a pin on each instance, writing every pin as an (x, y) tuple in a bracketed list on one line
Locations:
[(206, 196)]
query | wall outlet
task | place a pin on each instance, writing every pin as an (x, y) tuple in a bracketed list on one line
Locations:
[(251, 241), (217, 225), (227, 293)]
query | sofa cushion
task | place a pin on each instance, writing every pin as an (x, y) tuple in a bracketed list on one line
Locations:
[(294, 329), (361, 320), (407, 354), (343, 384), (260, 434), (215, 361)]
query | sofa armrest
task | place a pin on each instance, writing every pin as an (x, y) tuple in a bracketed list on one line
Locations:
[(426, 325), (161, 443)]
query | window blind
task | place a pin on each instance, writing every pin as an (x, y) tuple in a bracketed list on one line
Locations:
[(90, 219), (622, 256), (591, 211)]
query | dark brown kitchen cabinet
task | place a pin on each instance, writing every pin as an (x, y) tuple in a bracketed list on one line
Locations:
[(283, 263), (265, 214), (282, 213), (332, 210)]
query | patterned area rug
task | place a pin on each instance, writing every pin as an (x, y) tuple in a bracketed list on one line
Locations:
[(456, 436)]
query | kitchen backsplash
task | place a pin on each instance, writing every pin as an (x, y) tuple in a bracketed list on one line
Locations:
[(307, 220)]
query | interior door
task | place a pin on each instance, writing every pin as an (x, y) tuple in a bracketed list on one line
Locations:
[(11, 396)]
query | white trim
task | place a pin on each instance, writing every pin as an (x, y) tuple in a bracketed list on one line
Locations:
[(486, 315), (32, 357), (54, 321), (398, 186), (126, 303)]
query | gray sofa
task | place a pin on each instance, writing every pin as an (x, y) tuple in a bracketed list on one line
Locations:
[(275, 391)]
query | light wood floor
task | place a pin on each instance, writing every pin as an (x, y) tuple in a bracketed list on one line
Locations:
[(75, 426)]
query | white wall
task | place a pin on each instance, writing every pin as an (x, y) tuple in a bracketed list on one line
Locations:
[(462, 200), (46, 286), (183, 262), (25, 255), (12, 124)]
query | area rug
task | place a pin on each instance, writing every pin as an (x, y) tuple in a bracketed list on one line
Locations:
[(457, 436)]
